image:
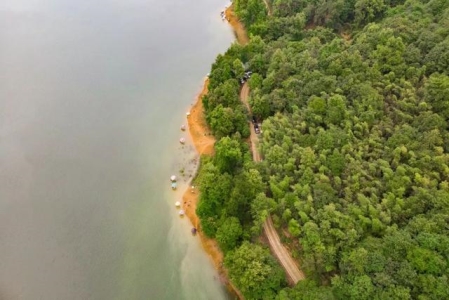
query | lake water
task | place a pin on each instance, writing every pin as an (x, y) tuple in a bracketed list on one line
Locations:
[(92, 94)]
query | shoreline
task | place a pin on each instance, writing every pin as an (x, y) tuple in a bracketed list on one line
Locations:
[(204, 141), (239, 29)]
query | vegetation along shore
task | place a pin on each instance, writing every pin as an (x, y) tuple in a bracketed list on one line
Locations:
[(204, 141), (353, 102)]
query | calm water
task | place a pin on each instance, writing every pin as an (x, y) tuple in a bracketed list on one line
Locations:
[(92, 94)]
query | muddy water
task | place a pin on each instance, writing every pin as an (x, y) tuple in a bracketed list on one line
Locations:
[(92, 94)]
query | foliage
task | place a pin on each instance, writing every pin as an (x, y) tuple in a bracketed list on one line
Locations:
[(253, 269), (229, 234), (228, 155), (354, 97)]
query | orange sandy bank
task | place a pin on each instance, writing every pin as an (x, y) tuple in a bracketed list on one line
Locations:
[(200, 133), (204, 142), (237, 26), (204, 145)]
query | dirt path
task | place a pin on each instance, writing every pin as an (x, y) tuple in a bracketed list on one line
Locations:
[(244, 94), (288, 263), (204, 144), (267, 5)]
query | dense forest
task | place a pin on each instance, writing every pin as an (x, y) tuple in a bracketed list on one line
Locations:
[(354, 99)]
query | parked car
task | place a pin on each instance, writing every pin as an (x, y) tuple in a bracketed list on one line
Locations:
[(256, 128), (245, 77), (254, 120)]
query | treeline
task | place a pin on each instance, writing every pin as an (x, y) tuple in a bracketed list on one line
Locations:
[(355, 101)]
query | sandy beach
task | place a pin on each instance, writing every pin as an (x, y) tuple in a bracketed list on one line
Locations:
[(204, 141), (237, 26)]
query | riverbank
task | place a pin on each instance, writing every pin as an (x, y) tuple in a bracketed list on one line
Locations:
[(237, 26), (204, 141)]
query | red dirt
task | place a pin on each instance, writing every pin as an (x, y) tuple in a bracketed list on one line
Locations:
[(237, 26), (204, 141)]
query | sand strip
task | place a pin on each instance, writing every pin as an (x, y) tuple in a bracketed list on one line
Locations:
[(204, 141)]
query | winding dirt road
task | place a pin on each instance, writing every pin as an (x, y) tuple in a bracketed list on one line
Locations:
[(293, 272), (267, 5), (244, 94), (281, 253)]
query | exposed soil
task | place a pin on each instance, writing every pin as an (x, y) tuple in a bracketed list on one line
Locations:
[(267, 5), (204, 141), (200, 133), (237, 26), (294, 273)]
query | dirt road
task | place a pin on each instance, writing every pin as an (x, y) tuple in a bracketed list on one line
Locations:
[(244, 94), (281, 253), (287, 262), (267, 5)]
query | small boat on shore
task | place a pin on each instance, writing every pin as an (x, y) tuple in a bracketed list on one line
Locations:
[(181, 213), (193, 230), (183, 127), (182, 140), (174, 185), (173, 178), (178, 204)]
